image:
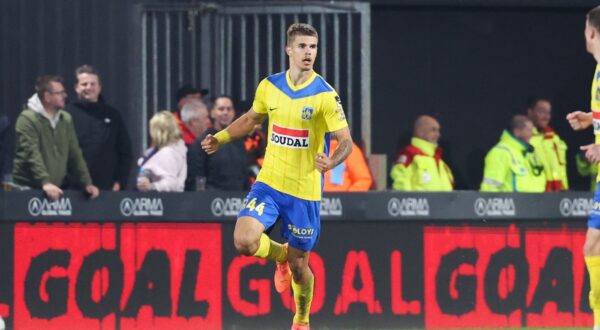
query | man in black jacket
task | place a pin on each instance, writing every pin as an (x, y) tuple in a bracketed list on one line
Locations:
[(225, 170), (102, 134)]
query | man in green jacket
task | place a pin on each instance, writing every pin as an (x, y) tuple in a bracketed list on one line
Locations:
[(512, 165), (550, 149), (46, 143)]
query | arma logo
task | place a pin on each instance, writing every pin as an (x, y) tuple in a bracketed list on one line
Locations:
[(226, 207), (408, 207), (331, 206), (142, 206), (44, 207), (494, 207), (575, 207), (290, 137)]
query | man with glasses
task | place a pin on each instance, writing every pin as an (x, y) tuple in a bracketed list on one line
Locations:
[(512, 165), (46, 144)]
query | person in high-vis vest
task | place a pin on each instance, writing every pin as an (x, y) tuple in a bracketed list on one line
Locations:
[(587, 169), (550, 149), (580, 120), (512, 165), (419, 166)]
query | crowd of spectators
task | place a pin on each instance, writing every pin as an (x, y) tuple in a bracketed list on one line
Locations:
[(85, 145)]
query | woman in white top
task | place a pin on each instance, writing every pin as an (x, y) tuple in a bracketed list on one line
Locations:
[(164, 165)]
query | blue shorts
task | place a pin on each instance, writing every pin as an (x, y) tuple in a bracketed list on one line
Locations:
[(301, 225), (594, 219)]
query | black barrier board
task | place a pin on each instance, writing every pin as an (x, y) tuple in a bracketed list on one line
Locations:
[(224, 206)]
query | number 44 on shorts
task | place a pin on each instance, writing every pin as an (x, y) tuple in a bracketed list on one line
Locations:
[(260, 208)]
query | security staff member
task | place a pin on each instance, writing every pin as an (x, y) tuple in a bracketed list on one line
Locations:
[(512, 165), (419, 166)]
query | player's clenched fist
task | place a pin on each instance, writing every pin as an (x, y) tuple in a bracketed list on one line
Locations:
[(210, 144), (579, 120), (323, 163)]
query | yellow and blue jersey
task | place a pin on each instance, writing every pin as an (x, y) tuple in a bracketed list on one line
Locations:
[(594, 219), (595, 106), (300, 118)]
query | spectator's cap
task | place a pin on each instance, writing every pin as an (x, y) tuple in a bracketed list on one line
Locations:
[(188, 89)]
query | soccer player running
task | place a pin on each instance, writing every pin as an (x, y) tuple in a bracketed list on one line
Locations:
[(581, 120), (303, 109)]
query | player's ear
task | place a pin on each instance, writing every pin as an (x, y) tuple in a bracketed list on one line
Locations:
[(288, 50)]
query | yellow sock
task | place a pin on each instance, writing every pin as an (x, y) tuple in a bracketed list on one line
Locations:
[(271, 250), (593, 266), (303, 294)]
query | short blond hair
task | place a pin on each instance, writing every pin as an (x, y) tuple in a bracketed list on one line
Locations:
[(164, 129), (300, 29)]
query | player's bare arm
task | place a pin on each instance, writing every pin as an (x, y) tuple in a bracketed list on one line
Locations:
[(239, 128), (324, 163), (579, 120)]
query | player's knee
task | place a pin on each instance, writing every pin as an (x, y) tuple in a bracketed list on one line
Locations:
[(299, 269), (245, 245), (591, 248)]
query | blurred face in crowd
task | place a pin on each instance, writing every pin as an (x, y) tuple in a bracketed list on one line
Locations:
[(524, 133), (188, 98), (54, 98), (88, 87), (302, 52), (201, 122), (222, 112), (540, 114), (428, 129)]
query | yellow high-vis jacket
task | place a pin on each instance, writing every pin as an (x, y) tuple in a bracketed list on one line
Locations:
[(419, 167), (551, 150), (585, 168), (512, 166)]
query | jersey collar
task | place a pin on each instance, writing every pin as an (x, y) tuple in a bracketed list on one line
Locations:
[(304, 84)]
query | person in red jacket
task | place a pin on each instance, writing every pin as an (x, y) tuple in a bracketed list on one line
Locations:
[(351, 175)]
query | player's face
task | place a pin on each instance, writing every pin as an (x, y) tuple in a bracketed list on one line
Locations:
[(541, 114), (88, 87), (302, 52), (223, 112)]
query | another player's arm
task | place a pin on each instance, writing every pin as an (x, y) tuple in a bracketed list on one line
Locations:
[(580, 120), (239, 128), (324, 163)]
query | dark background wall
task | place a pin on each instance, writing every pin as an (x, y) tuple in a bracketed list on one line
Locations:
[(54, 37), (471, 65), (473, 68)]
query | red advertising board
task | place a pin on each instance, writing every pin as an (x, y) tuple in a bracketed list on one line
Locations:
[(494, 277), (138, 276), (187, 276)]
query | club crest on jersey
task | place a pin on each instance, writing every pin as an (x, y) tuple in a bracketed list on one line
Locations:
[(307, 113), (290, 137)]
